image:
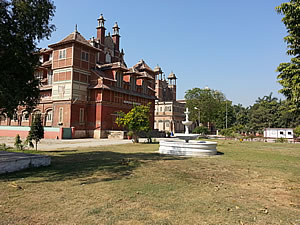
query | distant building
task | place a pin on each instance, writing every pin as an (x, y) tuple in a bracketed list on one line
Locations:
[(278, 133), (169, 113)]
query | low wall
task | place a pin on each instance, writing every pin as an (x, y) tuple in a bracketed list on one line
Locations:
[(12, 131), (115, 134), (12, 161)]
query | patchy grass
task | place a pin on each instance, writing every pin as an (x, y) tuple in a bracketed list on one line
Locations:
[(251, 183)]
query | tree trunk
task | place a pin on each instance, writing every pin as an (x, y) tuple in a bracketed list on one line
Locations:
[(36, 145)]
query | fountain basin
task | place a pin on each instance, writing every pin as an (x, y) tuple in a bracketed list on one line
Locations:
[(187, 137), (192, 148)]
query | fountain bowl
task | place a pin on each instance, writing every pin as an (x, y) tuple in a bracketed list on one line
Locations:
[(187, 137), (187, 123), (193, 148)]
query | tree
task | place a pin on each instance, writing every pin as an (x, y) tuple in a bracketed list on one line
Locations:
[(208, 101), (18, 142), (136, 120), (225, 110), (263, 114), (23, 23), (36, 132), (289, 73)]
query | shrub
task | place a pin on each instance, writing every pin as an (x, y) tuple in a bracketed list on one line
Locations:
[(3, 147), (229, 132), (281, 140), (297, 131), (201, 130)]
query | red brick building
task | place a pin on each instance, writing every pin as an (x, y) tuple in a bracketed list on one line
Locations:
[(84, 83)]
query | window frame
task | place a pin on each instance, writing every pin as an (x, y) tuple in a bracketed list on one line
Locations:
[(62, 54)]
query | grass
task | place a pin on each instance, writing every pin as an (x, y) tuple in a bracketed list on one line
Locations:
[(251, 183)]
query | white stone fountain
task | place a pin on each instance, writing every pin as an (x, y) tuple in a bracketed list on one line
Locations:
[(188, 147)]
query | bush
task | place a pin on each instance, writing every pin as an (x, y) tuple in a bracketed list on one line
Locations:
[(201, 130), (3, 147), (281, 140), (229, 132), (297, 131), (168, 133), (130, 133)]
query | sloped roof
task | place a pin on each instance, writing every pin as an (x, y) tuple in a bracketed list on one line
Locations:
[(73, 37), (141, 65)]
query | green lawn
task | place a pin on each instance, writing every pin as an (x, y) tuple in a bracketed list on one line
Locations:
[(250, 183)]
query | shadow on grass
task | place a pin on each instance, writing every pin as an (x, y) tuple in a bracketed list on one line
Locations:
[(84, 165)]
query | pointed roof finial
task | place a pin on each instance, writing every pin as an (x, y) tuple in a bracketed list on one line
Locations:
[(76, 27)]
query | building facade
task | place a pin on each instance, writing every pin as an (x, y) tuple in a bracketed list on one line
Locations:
[(85, 83), (169, 113)]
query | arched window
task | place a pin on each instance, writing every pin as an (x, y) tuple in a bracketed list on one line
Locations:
[(49, 115), (3, 119), (25, 116), (107, 58)]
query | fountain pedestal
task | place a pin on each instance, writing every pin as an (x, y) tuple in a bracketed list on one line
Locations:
[(188, 147)]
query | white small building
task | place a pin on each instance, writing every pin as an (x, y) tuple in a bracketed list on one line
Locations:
[(278, 133)]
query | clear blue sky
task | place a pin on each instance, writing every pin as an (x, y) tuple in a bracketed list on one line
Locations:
[(233, 46)]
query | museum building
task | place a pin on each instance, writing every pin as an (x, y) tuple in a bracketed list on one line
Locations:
[(84, 84)]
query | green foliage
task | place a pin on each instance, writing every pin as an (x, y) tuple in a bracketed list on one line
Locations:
[(229, 132), (18, 143), (201, 130), (225, 109), (129, 133), (136, 120), (281, 140), (3, 147), (36, 132), (297, 131), (263, 114), (289, 76), (22, 25), (208, 101)]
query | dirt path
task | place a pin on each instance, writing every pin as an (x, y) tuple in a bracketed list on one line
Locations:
[(50, 144)]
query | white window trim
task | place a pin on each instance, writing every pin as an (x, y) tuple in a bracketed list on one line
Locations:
[(62, 54)]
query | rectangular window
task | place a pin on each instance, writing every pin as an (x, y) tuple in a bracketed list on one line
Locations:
[(281, 132), (50, 76), (62, 54), (289, 133), (81, 115), (85, 56), (61, 116)]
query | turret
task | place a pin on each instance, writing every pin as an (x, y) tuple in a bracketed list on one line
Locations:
[(116, 37), (101, 29)]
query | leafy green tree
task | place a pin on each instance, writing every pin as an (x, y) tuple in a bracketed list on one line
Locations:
[(297, 131), (289, 74), (36, 132), (23, 23), (208, 101), (263, 114), (225, 110), (136, 120)]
